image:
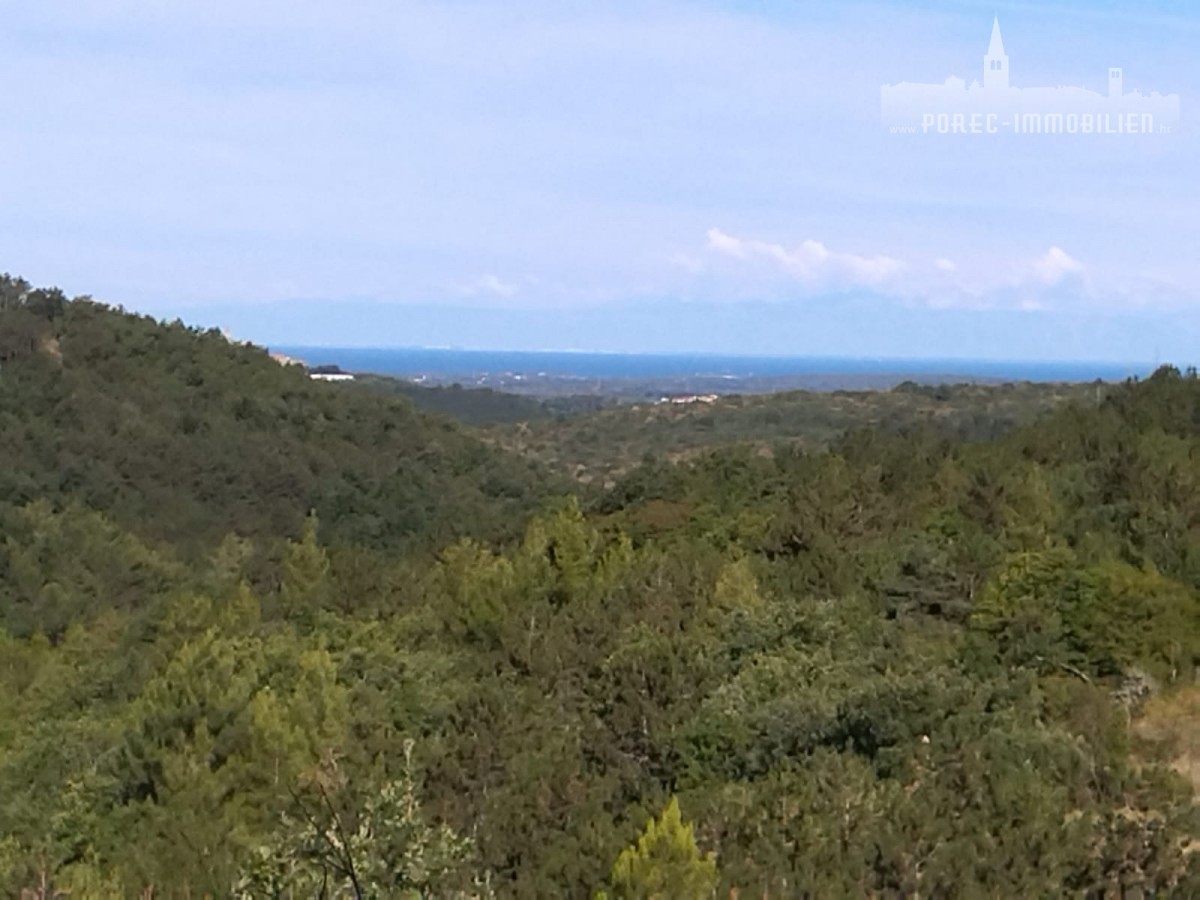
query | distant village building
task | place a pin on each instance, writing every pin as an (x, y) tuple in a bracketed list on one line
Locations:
[(995, 106), (227, 334), (329, 373), (691, 398)]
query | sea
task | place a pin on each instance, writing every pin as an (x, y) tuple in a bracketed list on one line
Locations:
[(440, 363)]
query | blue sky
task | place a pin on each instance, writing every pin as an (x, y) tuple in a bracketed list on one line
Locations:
[(706, 176)]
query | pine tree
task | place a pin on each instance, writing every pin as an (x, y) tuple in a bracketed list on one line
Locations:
[(306, 584), (665, 864)]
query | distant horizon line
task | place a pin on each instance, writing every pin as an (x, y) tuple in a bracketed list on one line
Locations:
[(391, 348)]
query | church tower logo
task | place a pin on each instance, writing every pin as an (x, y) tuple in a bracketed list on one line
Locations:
[(995, 64), (993, 105)]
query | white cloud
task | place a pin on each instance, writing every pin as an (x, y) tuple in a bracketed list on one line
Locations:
[(1055, 265), (811, 262), (937, 281), (489, 284), (724, 243)]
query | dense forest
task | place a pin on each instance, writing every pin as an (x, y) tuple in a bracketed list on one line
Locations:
[(480, 406), (267, 637), (598, 448)]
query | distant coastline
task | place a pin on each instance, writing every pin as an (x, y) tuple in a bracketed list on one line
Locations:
[(512, 370)]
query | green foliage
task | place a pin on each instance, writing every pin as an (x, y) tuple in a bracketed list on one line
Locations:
[(607, 445), (306, 587), (897, 661), (665, 863), (180, 435), (343, 841), (1043, 608), (472, 406), (64, 567)]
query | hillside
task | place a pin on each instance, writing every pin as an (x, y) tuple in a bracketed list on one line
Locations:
[(598, 447), (475, 406), (181, 436), (936, 662)]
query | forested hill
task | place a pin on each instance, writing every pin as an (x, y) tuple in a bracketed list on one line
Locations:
[(907, 664), (181, 435), (600, 446)]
